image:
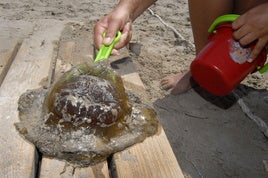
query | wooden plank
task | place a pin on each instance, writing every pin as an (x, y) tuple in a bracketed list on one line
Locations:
[(17, 156), (55, 168), (153, 157), (31, 65), (8, 50), (133, 83), (11, 36), (15, 29), (69, 55)]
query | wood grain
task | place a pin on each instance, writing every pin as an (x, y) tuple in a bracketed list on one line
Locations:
[(30, 66), (54, 168), (8, 51), (153, 158)]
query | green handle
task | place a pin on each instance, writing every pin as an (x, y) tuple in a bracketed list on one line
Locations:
[(263, 68), (221, 19), (105, 51)]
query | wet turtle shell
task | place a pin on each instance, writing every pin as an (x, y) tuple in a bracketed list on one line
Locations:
[(85, 116), (87, 100)]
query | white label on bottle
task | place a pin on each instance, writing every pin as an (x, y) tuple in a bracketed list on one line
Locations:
[(238, 53)]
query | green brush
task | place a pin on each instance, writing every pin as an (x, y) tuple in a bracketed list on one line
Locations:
[(105, 51)]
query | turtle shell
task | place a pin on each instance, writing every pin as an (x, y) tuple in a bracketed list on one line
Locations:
[(87, 100)]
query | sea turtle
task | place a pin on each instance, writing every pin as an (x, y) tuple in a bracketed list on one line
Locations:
[(85, 116)]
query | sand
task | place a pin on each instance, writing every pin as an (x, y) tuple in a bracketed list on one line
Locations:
[(211, 136)]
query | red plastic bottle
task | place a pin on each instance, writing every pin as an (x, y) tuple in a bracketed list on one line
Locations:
[(222, 64)]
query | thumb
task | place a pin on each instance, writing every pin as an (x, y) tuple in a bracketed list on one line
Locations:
[(111, 32)]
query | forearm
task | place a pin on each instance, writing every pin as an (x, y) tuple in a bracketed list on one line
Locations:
[(135, 7), (120, 19)]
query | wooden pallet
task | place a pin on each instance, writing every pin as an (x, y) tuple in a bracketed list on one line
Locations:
[(26, 65)]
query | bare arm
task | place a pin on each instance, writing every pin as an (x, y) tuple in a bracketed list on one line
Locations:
[(120, 18), (138, 6)]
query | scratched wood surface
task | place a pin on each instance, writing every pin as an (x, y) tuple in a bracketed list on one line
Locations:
[(151, 158), (8, 51), (29, 67)]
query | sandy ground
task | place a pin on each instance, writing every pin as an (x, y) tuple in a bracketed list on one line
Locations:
[(211, 136)]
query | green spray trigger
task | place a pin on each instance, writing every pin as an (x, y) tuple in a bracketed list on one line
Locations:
[(105, 51)]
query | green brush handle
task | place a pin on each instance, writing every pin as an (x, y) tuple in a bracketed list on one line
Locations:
[(105, 51)]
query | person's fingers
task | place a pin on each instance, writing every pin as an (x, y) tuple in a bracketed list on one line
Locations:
[(247, 39), (257, 49), (239, 33), (115, 52), (166, 86), (98, 31), (108, 25), (252, 27), (125, 37), (238, 22), (242, 30), (165, 83), (113, 26)]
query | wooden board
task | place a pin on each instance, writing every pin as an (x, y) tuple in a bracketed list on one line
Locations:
[(54, 168), (152, 158), (31, 65), (8, 51)]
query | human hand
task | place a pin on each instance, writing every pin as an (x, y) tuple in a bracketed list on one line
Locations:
[(117, 20), (253, 26)]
